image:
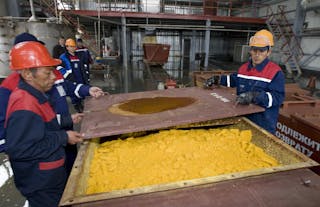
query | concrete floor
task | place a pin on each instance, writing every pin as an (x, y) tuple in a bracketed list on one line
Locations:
[(8, 192)]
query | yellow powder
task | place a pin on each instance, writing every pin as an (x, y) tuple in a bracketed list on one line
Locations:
[(173, 155)]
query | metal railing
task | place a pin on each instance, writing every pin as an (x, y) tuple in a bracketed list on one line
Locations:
[(52, 7), (186, 7)]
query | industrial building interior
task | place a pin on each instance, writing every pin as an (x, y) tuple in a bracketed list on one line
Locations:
[(215, 35), (201, 36)]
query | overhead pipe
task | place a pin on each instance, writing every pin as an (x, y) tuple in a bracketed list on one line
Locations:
[(189, 27)]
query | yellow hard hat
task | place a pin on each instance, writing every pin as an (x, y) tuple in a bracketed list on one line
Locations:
[(262, 38), (70, 42)]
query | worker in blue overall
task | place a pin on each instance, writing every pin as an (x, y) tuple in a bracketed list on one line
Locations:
[(73, 69), (85, 53), (34, 140), (259, 81)]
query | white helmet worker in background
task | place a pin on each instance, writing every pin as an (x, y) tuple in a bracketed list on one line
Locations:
[(258, 81)]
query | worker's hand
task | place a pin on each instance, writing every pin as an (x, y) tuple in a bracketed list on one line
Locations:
[(74, 137), (214, 80), (96, 92), (247, 97), (77, 117)]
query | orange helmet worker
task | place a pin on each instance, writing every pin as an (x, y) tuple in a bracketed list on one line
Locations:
[(26, 56), (31, 54), (39, 143), (71, 42), (71, 46)]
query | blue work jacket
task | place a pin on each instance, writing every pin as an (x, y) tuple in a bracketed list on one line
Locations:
[(57, 98), (267, 79), (34, 141), (73, 68)]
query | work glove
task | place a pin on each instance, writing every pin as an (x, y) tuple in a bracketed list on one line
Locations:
[(214, 80), (247, 97)]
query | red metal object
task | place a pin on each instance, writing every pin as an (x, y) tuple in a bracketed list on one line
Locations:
[(171, 84), (295, 93), (210, 105), (299, 126), (156, 53), (291, 188)]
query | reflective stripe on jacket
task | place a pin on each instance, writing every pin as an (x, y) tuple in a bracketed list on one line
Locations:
[(35, 143), (267, 79)]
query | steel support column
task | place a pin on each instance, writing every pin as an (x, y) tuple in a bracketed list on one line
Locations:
[(193, 51), (207, 44), (299, 20), (124, 53)]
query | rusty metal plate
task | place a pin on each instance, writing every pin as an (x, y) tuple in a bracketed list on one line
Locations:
[(295, 92), (289, 188), (214, 104)]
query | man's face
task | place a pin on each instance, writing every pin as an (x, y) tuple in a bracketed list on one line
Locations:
[(43, 78), (80, 44), (62, 41), (71, 49), (258, 56)]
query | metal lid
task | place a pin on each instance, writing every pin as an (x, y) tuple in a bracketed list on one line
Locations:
[(214, 104)]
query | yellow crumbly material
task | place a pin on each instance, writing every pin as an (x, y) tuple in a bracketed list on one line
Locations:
[(173, 155)]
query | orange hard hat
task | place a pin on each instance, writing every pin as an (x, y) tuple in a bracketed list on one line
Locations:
[(70, 42), (262, 38), (31, 54)]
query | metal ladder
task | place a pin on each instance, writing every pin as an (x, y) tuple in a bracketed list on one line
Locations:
[(288, 44), (49, 6)]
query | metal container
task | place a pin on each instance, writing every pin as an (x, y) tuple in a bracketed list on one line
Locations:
[(211, 108), (299, 125), (289, 158), (156, 53)]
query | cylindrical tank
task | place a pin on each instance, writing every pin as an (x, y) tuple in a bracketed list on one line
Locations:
[(3, 9), (7, 33), (47, 32)]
